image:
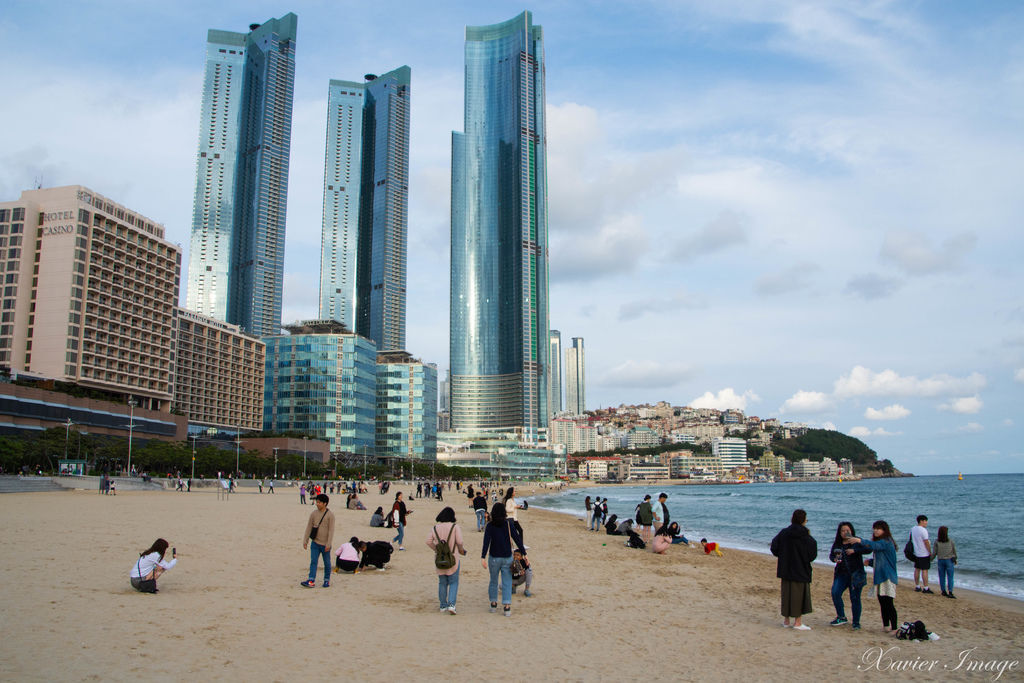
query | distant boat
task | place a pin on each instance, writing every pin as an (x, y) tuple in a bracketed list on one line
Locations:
[(960, 476), (840, 480)]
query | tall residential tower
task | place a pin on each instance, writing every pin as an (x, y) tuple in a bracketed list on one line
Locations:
[(236, 259), (365, 209), (575, 381), (554, 373), (499, 240)]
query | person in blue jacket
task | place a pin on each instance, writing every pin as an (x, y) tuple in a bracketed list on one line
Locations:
[(883, 546), (848, 575)]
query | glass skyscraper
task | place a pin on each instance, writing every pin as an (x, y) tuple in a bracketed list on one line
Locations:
[(575, 378), (499, 240), (321, 380), (236, 260), (365, 208), (406, 407), (554, 373)]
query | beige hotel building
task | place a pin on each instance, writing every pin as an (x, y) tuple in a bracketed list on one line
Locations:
[(90, 289)]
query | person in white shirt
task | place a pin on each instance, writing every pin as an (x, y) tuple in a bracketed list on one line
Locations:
[(151, 564), (922, 554)]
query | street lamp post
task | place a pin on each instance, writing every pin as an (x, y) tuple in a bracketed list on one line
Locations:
[(275, 463), (238, 445), (131, 428), (364, 463), (304, 439), (67, 432), (194, 437)]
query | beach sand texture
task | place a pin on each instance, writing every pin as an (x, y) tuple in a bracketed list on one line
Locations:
[(233, 607)]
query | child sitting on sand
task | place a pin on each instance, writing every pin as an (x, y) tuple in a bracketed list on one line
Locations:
[(527, 575), (710, 547)]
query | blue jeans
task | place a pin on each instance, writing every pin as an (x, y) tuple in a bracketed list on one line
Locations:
[(447, 589), (946, 575), (316, 551), (481, 515), (596, 523), (500, 566), (401, 534), (839, 585)]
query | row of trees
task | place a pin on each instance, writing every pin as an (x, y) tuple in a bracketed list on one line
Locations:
[(103, 453)]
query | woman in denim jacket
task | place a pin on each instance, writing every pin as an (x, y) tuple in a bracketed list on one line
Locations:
[(884, 563)]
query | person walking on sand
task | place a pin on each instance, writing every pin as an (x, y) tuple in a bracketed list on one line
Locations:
[(398, 515), (319, 531), (922, 554), (944, 551), (883, 545), (480, 508), (848, 575), (447, 531), (499, 538), (796, 550)]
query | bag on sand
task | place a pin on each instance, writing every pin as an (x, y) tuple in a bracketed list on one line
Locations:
[(912, 631), (635, 541), (444, 558)]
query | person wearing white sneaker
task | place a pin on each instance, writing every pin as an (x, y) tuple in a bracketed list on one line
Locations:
[(796, 550), (448, 535)]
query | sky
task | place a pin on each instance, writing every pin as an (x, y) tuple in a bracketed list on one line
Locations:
[(806, 210)]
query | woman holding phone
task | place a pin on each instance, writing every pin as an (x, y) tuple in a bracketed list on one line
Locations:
[(150, 565)]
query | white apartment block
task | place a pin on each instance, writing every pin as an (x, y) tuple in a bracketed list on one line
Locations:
[(90, 294), (806, 468), (732, 452)]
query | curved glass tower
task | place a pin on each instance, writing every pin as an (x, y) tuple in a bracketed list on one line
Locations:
[(499, 287)]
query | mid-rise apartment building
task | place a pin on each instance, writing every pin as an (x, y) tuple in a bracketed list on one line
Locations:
[(406, 407), (219, 374)]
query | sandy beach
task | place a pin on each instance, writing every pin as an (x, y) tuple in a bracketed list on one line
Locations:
[(233, 607)]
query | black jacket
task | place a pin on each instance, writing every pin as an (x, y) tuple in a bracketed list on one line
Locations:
[(796, 549)]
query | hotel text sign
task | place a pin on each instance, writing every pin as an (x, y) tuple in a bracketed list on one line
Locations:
[(61, 228)]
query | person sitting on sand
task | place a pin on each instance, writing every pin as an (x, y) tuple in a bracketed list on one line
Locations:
[(676, 533), (346, 557), (377, 554), (354, 503), (377, 518), (709, 548), (624, 527), (150, 566), (611, 525)]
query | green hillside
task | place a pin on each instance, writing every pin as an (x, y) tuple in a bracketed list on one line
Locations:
[(821, 443)]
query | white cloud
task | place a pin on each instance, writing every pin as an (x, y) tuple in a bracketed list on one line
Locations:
[(912, 252), (615, 247), (971, 428), (786, 281), (861, 381), (1008, 422), (1019, 375), (872, 286), (862, 432), (631, 310), (805, 402), (725, 399), (893, 412), (969, 405), (726, 230), (647, 374)]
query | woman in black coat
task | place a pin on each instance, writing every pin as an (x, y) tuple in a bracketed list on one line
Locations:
[(796, 549)]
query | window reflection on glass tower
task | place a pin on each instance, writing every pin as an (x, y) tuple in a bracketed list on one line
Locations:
[(236, 260), (365, 210), (499, 281)]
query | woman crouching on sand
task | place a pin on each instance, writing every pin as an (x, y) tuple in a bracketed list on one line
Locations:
[(150, 566), (884, 562), (796, 549)]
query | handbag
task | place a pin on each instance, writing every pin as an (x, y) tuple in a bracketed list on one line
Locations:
[(313, 532), (145, 585), (908, 549)]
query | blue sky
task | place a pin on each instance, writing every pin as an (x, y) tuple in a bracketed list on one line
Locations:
[(805, 210)]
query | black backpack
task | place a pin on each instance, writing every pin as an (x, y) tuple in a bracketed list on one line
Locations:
[(908, 549), (635, 541), (912, 631)]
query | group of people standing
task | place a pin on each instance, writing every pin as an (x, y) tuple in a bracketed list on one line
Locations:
[(796, 549)]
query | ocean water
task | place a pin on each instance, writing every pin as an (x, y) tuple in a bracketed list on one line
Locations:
[(984, 514)]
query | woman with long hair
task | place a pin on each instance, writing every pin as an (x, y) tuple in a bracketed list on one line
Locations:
[(447, 577), (883, 546), (398, 515), (848, 575), (945, 551), (150, 565), (499, 538)]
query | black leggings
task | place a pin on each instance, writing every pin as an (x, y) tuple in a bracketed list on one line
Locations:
[(888, 606), (346, 565)]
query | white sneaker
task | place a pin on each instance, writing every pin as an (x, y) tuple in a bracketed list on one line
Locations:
[(451, 609), (443, 610)]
